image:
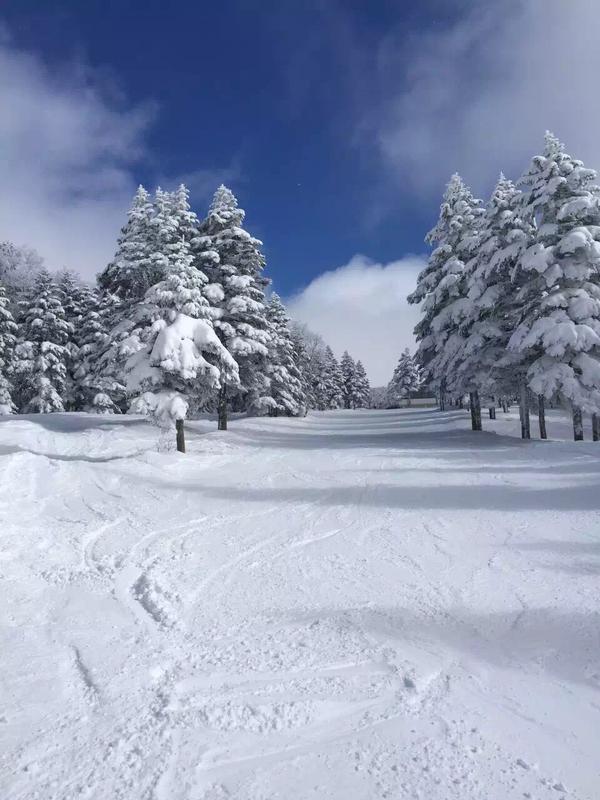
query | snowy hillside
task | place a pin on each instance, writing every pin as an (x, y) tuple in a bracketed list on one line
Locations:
[(353, 605)]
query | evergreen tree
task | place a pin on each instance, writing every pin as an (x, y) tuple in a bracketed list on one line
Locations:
[(560, 322), (41, 354), (234, 265), (285, 381), (333, 381), (182, 361), (77, 298), (134, 267), (8, 338), (441, 283), (405, 380), (98, 388), (494, 299), (363, 387), (350, 390)]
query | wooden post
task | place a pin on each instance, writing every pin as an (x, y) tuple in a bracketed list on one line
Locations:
[(542, 416), (180, 434), (524, 410), (595, 427), (577, 424), (222, 408)]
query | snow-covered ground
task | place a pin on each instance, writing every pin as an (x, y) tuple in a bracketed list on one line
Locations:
[(354, 605)]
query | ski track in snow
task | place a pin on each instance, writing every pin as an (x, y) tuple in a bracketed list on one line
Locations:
[(353, 605)]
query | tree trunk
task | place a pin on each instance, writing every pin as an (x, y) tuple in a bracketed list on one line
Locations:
[(222, 408), (542, 416), (577, 424), (524, 411), (408, 399), (180, 434), (475, 411), (595, 428), (492, 411)]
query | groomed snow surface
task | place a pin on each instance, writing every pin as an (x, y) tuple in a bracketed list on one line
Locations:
[(354, 605)]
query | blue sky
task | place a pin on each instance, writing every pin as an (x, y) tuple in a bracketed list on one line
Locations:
[(263, 94), (336, 122)]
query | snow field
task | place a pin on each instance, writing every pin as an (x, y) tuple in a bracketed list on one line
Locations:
[(357, 604)]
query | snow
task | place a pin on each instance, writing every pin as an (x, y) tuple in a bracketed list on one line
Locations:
[(352, 605)]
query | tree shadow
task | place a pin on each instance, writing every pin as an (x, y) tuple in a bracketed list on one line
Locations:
[(580, 497), (72, 422)]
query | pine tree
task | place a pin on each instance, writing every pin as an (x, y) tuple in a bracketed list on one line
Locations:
[(350, 389), (363, 387), (76, 300), (285, 382), (98, 388), (405, 380), (234, 267), (441, 283), (559, 329), (480, 361), (41, 354), (182, 361), (333, 381), (134, 267), (8, 338)]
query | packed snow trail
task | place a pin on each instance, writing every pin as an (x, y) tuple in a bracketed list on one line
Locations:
[(365, 604)]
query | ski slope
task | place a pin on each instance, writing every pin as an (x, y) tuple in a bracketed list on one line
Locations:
[(354, 605)]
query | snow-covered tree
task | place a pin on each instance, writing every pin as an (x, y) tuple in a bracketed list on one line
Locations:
[(559, 330), (8, 338), (134, 269), (182, 361), (405, 380), (441, 283), (285, 382), (19, 266), (97, 386), (77, 298), (350, 389), (236, 288), (363, 387), (41, 353), (333, 382)]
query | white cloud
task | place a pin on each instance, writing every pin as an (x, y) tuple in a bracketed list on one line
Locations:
[(67, 155), (478, 97), (69, 146), (361, 307)]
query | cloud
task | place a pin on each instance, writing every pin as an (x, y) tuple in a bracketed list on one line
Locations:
[(70, 145), (477, 96), (361, 307), (67, 155)]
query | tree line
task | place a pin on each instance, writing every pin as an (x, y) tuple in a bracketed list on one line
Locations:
[(180, 321), (510, 296)]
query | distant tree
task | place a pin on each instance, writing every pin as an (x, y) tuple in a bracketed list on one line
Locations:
[(333, 381), (19, 266), (350, 389), (405, 380), (363, 387), (285, 382)]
